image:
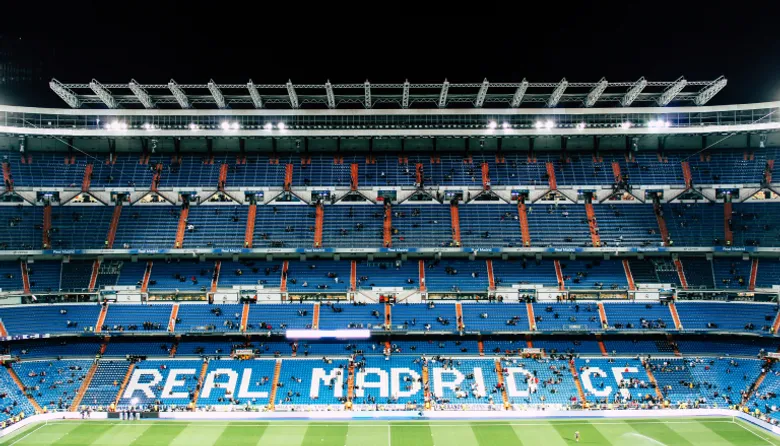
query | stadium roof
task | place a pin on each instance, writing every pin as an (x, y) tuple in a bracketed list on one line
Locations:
[(404, 95)]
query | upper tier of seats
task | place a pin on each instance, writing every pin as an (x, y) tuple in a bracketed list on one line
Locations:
[(47, 169)]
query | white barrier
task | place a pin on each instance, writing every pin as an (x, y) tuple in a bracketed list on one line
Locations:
[(426, 415)]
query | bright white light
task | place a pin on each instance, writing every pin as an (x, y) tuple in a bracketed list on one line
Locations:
[(581, 126), (194, 126), (492, 125), (147, 126), (318, 334), (626, 125), (123, 126), (539, 125), (134, 401), (505, 126), (107, 126), (549, 124), (235, 126), (658, 123), (281, 126), (268, 126), (225, 125)]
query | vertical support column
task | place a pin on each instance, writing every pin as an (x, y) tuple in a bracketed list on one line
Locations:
[(249, 232), (319, 217), (181, 229)]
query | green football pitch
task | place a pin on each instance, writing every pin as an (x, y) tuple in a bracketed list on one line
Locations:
[(656, 432)]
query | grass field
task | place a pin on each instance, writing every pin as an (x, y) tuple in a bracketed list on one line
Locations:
[(655, 432)]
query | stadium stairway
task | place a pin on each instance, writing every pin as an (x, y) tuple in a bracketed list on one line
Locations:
[(250, 226), (727, 213), (592, 225), (147, 275), (47, 226), (659, 216), (172, 318), (201, 381), (15, 378), (681, 273), (629, 276), (551, 181), (421, 275), (87, 178), (387, 236), (114, 225), (500, 376), (7, 177), (215, 276), (244, 317), (455, 220), (275, 385), (94, 275), (675, 316), (182, 227), (25, 277), (101, 318), (753, 275), (84, 386), (523, 217), (319, 218)]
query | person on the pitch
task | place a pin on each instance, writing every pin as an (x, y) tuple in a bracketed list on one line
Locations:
[(577, 436)]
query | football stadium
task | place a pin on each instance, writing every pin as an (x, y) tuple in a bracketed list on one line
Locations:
[(390, 264)]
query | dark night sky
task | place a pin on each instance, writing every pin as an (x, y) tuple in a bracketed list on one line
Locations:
[(698, 42)]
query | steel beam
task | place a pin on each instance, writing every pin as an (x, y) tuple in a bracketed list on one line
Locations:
[(517, 98), (634, 92), (65, 93), (329, 95), (103, 93), (556, 95), (596, 92), (445, 87), (707, 93), (292, 94), (672, 91), (141, 94), (367, 93), (179, 95), (216, 93), (254, 94), (482, 94)]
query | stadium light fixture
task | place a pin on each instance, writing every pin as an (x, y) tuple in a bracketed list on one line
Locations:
[(179, 95), (268, 126), (634, 92), (517, 98), (626, 125), (557, 94), (539, 125), (65, 93), (672, 91), (225, 125), (194, 126), (505, 125), (281, 126), (596, 92), (581, 126), (329, 96), (103, 93), (235, 126), (710, 91), (482, 94), (141, 94), (216, 93), (492, 125), (257, 100), (549, 124), (445, 87)]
